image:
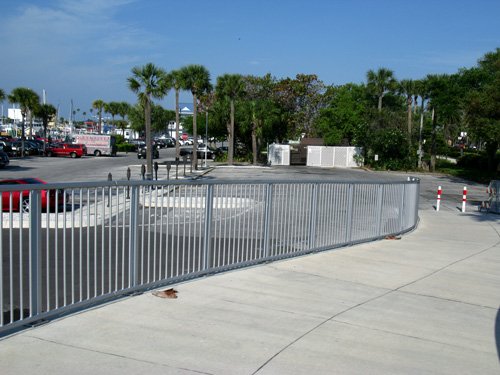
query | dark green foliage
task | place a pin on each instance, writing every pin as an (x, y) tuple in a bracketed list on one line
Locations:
[(476, 161), (125, 147)]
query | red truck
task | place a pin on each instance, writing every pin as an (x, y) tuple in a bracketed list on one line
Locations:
[(66, 149)]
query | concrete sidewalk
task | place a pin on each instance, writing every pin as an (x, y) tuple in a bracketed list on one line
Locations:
[(427, 303)]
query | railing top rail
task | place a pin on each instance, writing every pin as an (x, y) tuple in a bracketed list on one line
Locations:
[(124, 183)]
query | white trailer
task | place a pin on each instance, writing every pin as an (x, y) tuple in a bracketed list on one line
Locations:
[(97, 144)]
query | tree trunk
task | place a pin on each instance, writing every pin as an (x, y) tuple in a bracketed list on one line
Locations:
[(420, 150), (177, 145), (433, 142), (409, 102), (231, 138), (380, 103), (149, 146), (254, 141)]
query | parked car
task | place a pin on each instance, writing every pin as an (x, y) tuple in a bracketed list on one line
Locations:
[(137, 143), (66, 149), (142, 152), (29, 148), (19, 200), (211, 153), (35, 146), (4, 159), (6, 147), (170, 142)]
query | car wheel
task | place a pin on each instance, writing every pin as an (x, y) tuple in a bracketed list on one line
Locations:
[(50, 154), (97, 153), (25, 205), (73, 155)]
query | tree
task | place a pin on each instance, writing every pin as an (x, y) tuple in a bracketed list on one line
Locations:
[(340, 122), (231, 87), (196, 78), (379, 83), (123, 110), (113, 108), (302, 99), (445, 95), (98, 104), (148, 82), (45, 112), (406, 87), (422, 90), (259, 111), (26, 99), (482, 103), (177, 82)]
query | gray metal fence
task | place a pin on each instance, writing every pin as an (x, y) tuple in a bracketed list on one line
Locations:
[(71, 245)]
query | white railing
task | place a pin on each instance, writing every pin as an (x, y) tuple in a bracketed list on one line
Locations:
[(101, 240)]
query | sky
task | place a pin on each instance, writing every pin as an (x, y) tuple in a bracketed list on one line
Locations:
[(82, 50)]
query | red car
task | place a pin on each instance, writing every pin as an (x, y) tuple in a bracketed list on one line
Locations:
[(66, 149), (20, 202)]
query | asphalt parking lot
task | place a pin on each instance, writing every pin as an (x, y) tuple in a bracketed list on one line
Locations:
[(91, 168)]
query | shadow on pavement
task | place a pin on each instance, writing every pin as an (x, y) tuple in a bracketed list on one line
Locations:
[(497, 333)]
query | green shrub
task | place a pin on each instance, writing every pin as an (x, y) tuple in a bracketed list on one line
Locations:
[(473, 161), (125, 147)]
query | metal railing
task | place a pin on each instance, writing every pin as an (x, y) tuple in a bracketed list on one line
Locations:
[(78, 244)]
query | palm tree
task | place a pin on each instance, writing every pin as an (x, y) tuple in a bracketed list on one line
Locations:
[(380, 83), (113, 108), (407, 87), (25, 97), (148, 82), (422, 89), (123, 109), (99, 105), (176, 80), (196, 79), (45, 112), (231, 87)]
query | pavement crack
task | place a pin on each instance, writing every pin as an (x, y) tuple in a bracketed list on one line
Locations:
[(331, 318), (405, 335), (117, 355)]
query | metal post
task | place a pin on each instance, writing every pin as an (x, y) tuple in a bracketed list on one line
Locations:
[(35, 261), (184, 159), (169, 166), (206, 138), (207, 259), (143, 171), (312, 223), (133, 239), (176, 167), (128, 179), (110, 178), (350, 205), (379, 209), (267, 218)]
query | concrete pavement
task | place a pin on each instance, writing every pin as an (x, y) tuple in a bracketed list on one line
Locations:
[(428, 303)]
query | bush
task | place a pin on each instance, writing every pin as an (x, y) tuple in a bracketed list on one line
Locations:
[(473, 161), (125, 147)]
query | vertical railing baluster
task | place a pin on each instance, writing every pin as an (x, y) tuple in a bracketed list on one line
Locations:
[(35, 258), (207, 258), (380, 208)]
